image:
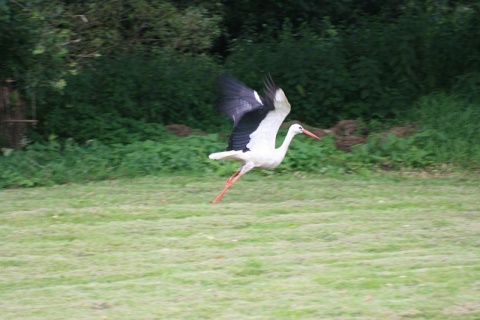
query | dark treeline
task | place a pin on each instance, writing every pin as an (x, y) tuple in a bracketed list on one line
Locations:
[(118, 70)]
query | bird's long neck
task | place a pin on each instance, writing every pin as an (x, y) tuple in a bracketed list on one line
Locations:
[(282, 150)]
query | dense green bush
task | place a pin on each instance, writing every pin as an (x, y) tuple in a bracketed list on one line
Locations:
[(455, 122), (374, 69), (70, 162), (127, 98)]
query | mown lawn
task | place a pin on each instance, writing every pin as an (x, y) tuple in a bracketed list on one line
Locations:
[(277, 247)]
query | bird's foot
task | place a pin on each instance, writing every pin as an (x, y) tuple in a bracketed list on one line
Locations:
[(228, 184), (218, 198)]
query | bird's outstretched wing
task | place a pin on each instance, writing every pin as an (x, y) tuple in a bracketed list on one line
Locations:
[(236, 99), (245, 107)]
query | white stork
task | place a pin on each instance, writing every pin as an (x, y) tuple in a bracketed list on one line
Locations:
[(256, 121)]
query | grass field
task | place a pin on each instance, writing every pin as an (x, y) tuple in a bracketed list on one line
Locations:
[(277, 247)]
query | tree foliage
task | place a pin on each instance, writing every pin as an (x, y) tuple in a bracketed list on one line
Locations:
[(107, 26), (125, 98), (123, 63), (44, 40), (370, 69), (33, 43)]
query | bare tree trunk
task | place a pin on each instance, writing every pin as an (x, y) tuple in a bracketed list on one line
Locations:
[(13, 114)]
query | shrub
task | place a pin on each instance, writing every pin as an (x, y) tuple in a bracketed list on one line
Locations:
[(391, 152), (375, 68), (454, 120), (71, 162), (127, 98)]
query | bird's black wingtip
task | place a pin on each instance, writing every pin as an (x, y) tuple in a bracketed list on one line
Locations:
[(226, 79), (222, 77), (227, 85), (269, 83)]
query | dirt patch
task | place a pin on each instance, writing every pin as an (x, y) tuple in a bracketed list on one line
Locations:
[(345, 128), (180, 130), (347, 133), (346, 143), (404, 131)]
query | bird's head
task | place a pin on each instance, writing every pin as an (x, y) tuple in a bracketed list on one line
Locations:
[(296, 129)]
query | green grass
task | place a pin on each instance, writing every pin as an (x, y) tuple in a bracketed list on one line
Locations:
[(277, 247)]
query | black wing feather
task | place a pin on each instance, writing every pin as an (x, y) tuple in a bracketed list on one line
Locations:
[(240, 136), (270, 91), (240, 104), (237, 99)]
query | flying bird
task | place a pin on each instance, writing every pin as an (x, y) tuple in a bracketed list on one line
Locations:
[(256, 121)]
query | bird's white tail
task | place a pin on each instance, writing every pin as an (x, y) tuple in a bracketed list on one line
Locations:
[(225, 155)]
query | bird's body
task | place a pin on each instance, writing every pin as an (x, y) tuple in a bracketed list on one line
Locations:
[(261, 157), (256, 123)]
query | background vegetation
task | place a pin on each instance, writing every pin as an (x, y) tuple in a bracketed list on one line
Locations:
[(117, 71)]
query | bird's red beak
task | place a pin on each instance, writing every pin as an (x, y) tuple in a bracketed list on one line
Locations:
[(308, 133)]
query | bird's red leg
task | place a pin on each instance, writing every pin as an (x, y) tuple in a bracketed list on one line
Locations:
[(233, 176), (229, 183)]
